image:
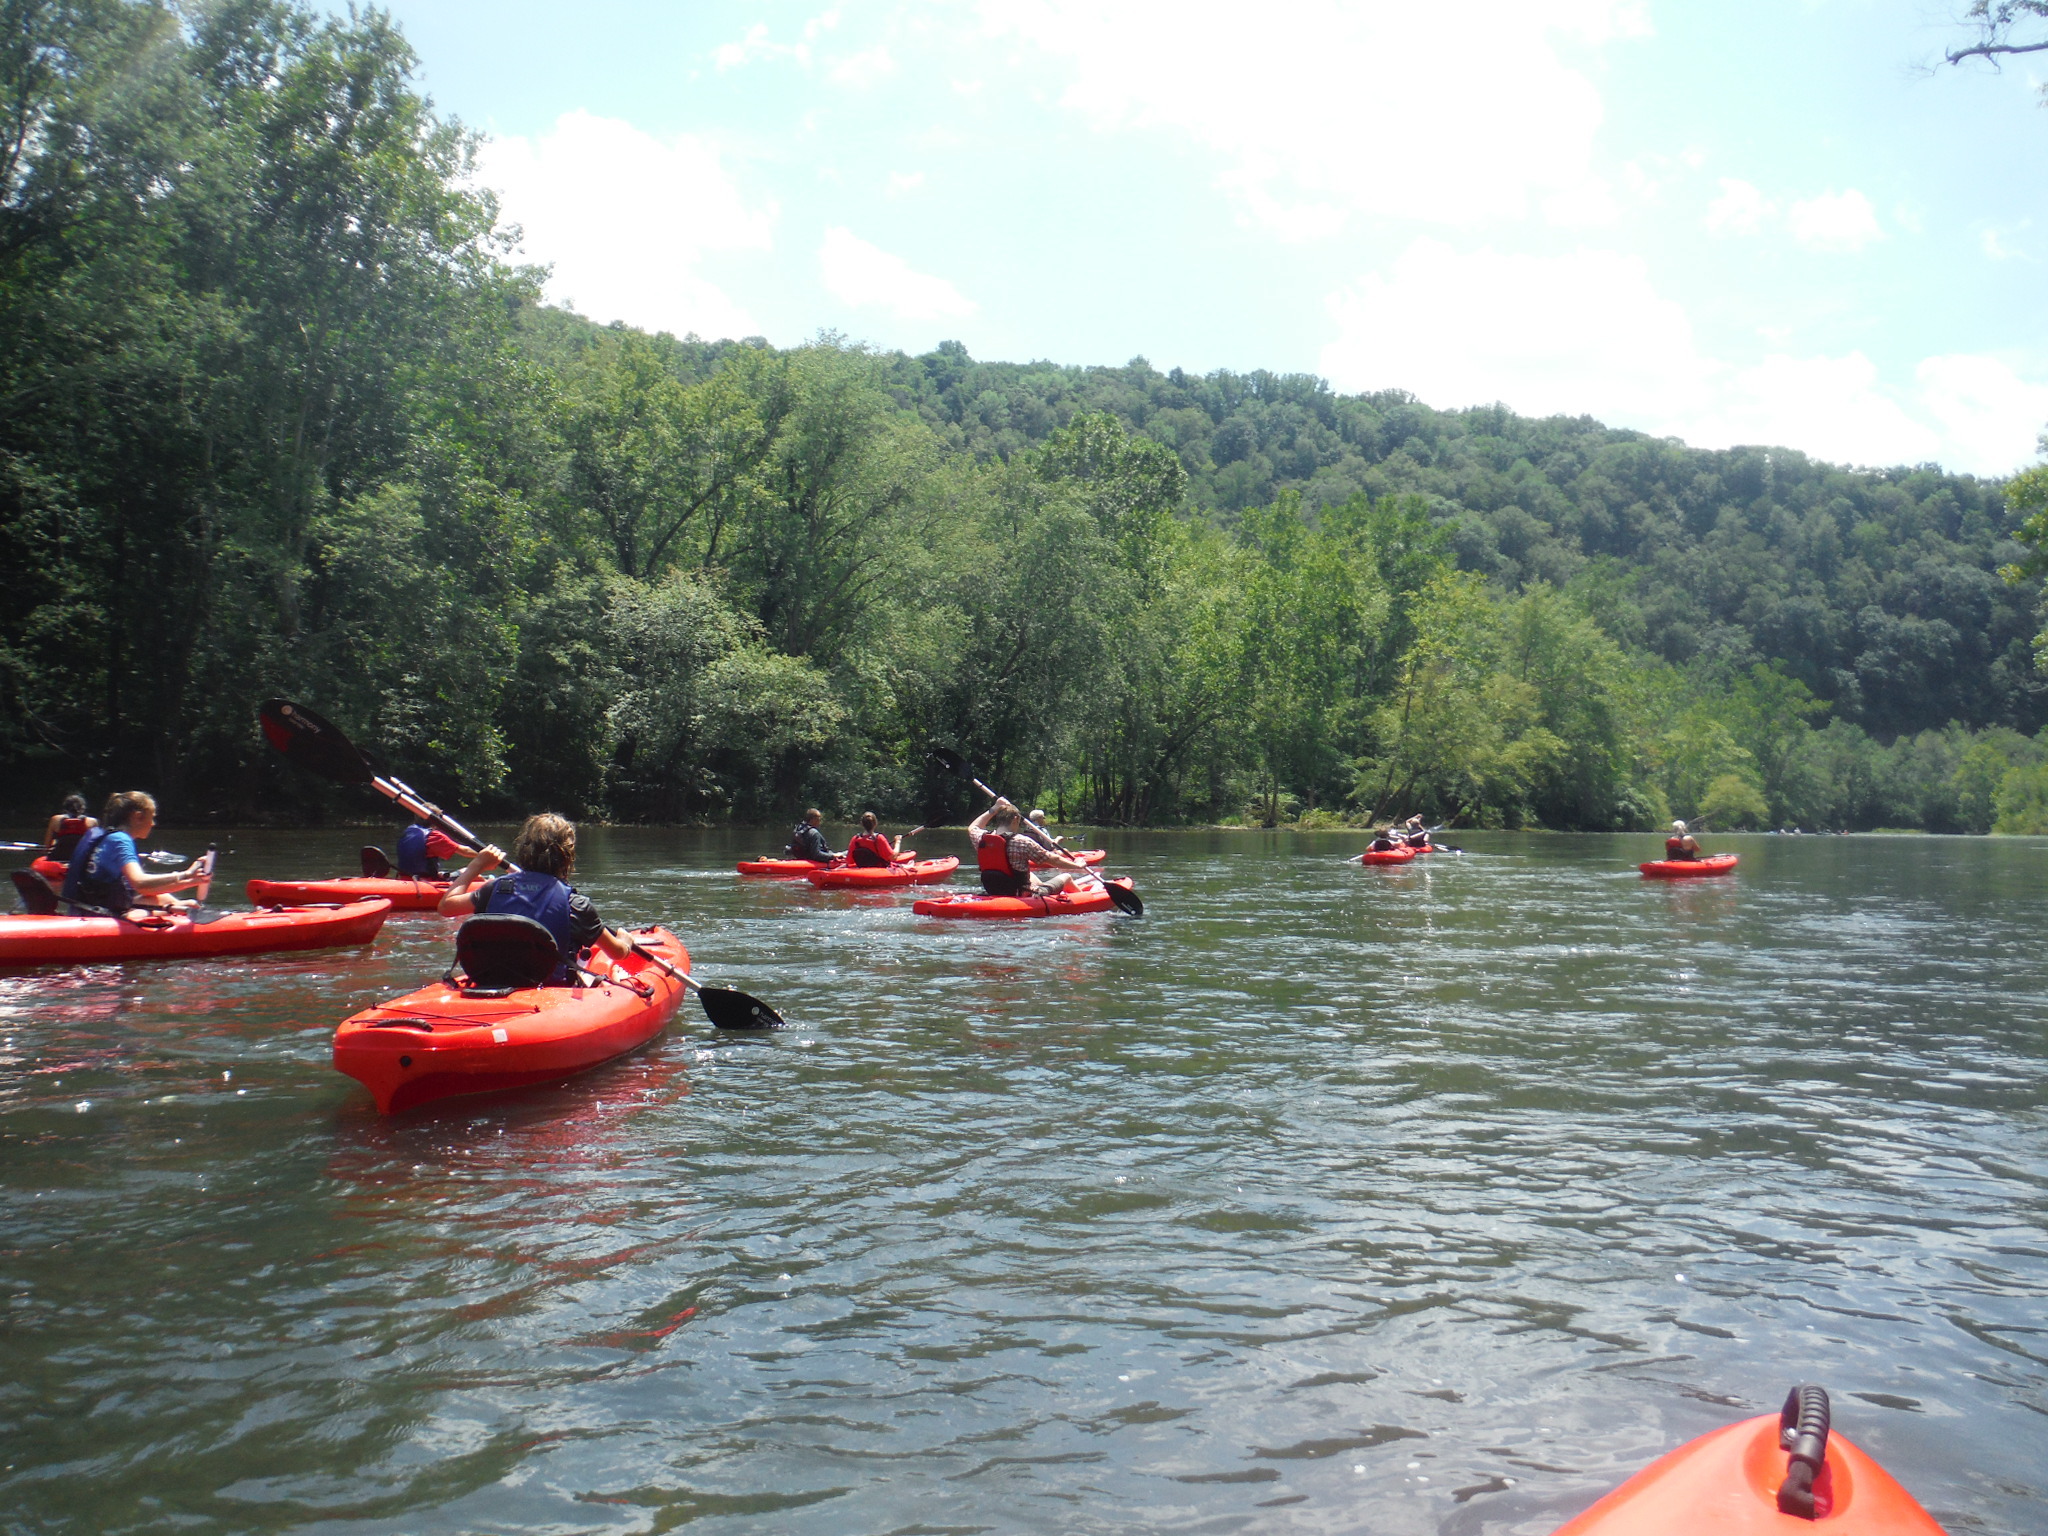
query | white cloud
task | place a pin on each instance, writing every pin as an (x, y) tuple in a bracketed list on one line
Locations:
[(755, 47), (863, 275), (1994, 416), (758, 46), (903, 183), (1994, 246), (1588, 333), (1830, 407), (1834, 221), (1342, 109), (864, 68), (623, 216), (1546, 334), (1739, 210)]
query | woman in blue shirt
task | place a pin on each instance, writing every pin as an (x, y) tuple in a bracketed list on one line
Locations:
[(106, 871)]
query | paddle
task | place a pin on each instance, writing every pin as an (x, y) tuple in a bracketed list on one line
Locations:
[(1121, 896), (319, 746), (723, 1006)]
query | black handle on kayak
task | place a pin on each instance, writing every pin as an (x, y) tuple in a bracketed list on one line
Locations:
[(1803, 1432)]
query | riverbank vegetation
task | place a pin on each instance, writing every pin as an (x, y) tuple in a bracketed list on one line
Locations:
[(285, 416)]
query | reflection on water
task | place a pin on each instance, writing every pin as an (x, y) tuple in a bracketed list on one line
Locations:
[(1325, 1198)]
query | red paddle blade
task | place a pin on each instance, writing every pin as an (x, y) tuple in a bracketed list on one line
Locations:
[(311, 742)]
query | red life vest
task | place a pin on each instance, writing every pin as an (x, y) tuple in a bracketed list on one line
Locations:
[(1674, 848), (69, 831), (879, 854), (992, 851)]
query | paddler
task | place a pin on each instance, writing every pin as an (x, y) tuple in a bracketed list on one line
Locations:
[(868, 848), (1681, 846), (545, 852), (1388, 841), (807, 842), (421, 849), (1414, 834), (60, 837), (1004, 849), (1042, 832), (106, 871)]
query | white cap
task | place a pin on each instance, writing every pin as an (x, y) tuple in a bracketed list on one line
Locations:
[(1678, 826)]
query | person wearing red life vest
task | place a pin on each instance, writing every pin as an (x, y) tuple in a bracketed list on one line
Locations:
[(1681, 846), (1004, 848), (868, 848)]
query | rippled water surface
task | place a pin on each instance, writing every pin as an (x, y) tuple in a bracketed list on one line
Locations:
[(1431, 1199)]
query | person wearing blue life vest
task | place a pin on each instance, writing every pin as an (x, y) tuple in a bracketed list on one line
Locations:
[(421, 849), (106, 872), (545, 852)]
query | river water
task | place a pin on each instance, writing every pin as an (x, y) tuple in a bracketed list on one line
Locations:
[(1428, 1199)]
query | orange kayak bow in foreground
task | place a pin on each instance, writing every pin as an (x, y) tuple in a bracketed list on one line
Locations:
[(1783, 1474)]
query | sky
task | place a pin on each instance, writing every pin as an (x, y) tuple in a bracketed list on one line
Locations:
[(1779, 222)]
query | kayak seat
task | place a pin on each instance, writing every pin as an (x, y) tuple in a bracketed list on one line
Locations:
[(35, 893), (375, 865), (501, 952)]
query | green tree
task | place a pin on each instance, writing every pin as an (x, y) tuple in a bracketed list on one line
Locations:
[(1734, 802)]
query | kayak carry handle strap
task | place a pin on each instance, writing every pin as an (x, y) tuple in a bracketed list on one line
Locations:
[(1802, 1431)]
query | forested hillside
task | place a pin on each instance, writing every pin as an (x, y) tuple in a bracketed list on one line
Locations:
[(283, 415)]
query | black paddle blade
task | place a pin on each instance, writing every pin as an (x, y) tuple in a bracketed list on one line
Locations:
[(731, 1009), (312, 742), (951, 761), (1124, 898)]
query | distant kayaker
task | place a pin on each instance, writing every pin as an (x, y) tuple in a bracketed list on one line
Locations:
[(868, 848), (1004, 851), (545, 852), (1388, 841), (421, 849), (1681, 845), (807, 842), (60, 837), (1414, 834), (1042, 832), (106, 871)]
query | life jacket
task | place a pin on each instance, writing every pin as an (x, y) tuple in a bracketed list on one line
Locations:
[(992, 858), (870, 850), (807, 842), (86, 883), (412, 855), (69, 831), (1674, 848), (1384, 845), (542, 897), (1416, 839)]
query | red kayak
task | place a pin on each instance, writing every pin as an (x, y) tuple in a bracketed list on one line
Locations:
[(1067, 903), (1388, 856), (1744, 1480), (784, 869), (449, 1038), (1687, 869), (70, 940), (853, 877), (1088, 856), (403, 894)]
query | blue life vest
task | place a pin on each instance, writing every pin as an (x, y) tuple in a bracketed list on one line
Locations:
[(545, 899), (86, 883), (412, 855)]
